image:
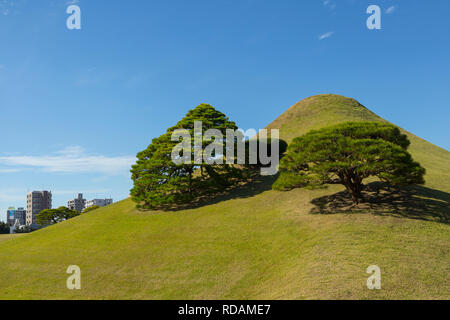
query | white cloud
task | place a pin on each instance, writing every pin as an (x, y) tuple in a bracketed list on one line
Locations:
[(72, 159), (391, 9), (326, 35)]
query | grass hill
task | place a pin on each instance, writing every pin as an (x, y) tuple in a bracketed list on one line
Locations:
[(328, 109), (254, 243)]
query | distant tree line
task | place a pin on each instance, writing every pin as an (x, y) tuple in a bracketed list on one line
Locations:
[(4, 228), (92, 208), (51, 216)]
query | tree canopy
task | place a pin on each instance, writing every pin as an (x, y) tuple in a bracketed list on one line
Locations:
[(4, 228), (346, 154), (91, 208), (52, 216), (159, 182)]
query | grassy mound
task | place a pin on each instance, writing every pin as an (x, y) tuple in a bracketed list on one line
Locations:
[(254, 243)]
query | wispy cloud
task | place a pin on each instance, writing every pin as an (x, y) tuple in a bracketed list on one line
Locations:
[(391, 9), (12, 194), (72, 159), (329, 4), (6, 7), (75, 192), (10, 170), (326, 35)]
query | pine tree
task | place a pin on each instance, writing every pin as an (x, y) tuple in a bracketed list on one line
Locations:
[(160, 183), (346, 154)]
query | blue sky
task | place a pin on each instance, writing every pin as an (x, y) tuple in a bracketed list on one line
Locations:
[(77, 105)]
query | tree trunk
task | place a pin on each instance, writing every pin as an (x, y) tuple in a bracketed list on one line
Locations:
[(353, 184)]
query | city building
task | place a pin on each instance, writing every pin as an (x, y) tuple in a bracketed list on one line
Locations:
[(98, 202), (10, 213), (77, 204), (36, 202), (13, 215)]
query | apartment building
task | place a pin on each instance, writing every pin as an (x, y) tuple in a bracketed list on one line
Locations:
[(77, 204), (36, 202), (10, 213), (14, 214)]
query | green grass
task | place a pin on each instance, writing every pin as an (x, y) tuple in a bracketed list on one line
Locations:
[(253, 244), (4, 237)]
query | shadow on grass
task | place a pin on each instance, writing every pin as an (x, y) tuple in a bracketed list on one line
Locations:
[(414, 202), (256, 185)]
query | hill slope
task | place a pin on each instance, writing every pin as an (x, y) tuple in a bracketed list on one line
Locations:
[(329, 109), (254, 243)]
